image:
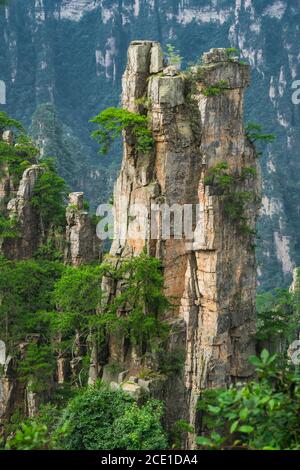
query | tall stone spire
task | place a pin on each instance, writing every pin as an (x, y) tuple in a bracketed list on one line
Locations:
[(197, 123)]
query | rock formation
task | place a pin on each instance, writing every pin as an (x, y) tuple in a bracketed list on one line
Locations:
[(79, 87), (29, 223), (192, 202), (82, 246), (210, 275)]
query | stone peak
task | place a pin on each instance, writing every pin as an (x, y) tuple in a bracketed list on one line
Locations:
[(76, 199), (141, 42), (216, 55)]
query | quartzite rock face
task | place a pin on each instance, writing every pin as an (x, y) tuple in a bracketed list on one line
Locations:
[(15, 201), (212, 274), (82, 245)]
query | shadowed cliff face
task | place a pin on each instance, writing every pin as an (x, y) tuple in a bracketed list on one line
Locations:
[(72, 54), (210, 274)]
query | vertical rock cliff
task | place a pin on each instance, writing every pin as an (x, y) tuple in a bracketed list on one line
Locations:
[(82, 245), (209, 270), (80, 242), (31, 231)]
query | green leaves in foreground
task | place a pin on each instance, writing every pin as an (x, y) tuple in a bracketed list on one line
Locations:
[(136, 312), (98, 418), (30, 436), (5, 121), (259, 415)]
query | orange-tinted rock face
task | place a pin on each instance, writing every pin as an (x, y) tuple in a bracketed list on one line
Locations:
[(211, 272)]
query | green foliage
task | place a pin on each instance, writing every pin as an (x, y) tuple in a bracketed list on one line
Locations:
[(216, 89), (30, 436), (235, 202), (235, 206), (77, 295), (231, 52), (37, 367), (173, 55), (233, 55), (97, 418), (136, 312), (25, 292), (261, 415), (18, 157), (254, 133), (142, 303), (181, 428), (61, 306), (49, 251), (218, 176), (50, 193), (139, 428), (113, 121), (8, 227), (25, 295), (102, 419), (278, 314), (33, 433), (8, 123)]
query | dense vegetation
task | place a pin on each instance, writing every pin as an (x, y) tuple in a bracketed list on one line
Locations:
[(260, 415), (55, 311), (60, 305), (96, 418), (64, 313)]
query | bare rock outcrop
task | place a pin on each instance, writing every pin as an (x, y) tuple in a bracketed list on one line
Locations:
[(82, 244), (197, 123), (28, 222), (29, 232)]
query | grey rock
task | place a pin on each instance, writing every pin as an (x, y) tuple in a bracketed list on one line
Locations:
[(82, 245), (157, 58), (122, 376), (213, 274), (132, 389)]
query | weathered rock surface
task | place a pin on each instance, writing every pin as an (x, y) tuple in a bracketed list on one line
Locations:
[(29, 224), (212, 273), (82, 245)]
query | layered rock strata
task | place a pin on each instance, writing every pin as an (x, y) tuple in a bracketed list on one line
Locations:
[(82, 244), (210, 273)]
